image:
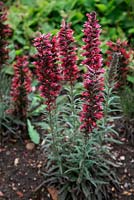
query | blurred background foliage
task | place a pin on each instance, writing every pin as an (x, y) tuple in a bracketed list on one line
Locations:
[(28, 17)]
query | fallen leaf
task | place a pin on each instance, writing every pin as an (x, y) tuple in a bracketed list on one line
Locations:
[(20, 194), (53, 192)]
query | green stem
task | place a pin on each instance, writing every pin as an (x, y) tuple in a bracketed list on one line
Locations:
[(107, 96), (73, 111), (84, 144), (52, 132)]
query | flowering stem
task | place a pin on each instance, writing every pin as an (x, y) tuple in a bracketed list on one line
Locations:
[(73, 111), (50, 115), (119, 50), (93, 83), (54, 131), (85, 139), (110, 82)]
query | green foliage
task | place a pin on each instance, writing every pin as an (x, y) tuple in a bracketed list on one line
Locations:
[(77, 165), (130, 79), (127, 93), (34, 135), (69, 107), (28, 17), (127, 102), (130, 76), (82, 172), (36, 107), (7, 121), (4, 100)]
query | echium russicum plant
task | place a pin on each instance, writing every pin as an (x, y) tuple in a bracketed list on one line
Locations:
[(47, 69), (5, 32), (124, 60), (21, 87), (93, 79), (76, 165)]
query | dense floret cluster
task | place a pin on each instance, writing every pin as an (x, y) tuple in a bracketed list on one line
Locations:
[(21, 86), (67, 52), (124, 59), (47, 68)]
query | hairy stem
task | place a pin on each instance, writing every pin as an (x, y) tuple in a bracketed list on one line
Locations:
[(54, 131)]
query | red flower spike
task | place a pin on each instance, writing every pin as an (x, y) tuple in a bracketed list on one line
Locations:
[(47, 68), (67, 52), (122, 69), (21, 86), (93, 79), (5, 32)]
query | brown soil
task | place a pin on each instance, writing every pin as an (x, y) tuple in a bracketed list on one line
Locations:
[(20, 168), (124, 156), (20, 175)]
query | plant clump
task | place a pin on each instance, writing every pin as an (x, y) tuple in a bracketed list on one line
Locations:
[(74, 115)]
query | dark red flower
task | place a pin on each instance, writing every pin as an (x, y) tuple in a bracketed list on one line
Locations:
[(5, 31), (124, 59), (47, 68), (67, 52), (21, 86), (93, 79)]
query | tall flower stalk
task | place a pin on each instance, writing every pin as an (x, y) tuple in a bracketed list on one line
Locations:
[(20, 87), (122, 69), (68, 59), (93, 82), (111, 98), (93, 79), (49, 77), (5, 32)]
